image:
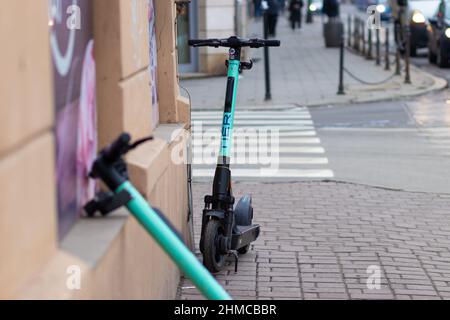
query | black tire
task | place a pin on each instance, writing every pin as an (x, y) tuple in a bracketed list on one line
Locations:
[(213, 260), (244, 211), (244, 250), (442, 58), (412, 50)]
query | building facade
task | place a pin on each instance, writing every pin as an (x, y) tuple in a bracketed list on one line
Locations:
[(209, 19), (76, 74)]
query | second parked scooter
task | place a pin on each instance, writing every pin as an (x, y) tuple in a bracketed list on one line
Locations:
[(227, 230)]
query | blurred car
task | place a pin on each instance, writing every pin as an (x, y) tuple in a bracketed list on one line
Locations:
[(439, 36), (384, 9), (382, 6), (417, 14), (316, 6)]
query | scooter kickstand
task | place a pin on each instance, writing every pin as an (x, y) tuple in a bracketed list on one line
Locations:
[(236, 259)]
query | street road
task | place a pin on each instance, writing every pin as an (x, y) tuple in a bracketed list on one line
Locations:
[(399, 144)]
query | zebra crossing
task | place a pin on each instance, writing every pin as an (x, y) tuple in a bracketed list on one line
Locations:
[(433, 121), (266, 144), (438, 137)]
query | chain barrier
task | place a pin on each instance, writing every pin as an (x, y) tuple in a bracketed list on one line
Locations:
[(355, 48), (352, 75)]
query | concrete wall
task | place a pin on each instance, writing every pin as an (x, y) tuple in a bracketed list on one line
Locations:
[(27, 181), (133, 267)]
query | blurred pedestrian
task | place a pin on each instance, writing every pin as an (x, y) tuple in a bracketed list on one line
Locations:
[(273, 11), (258, 9), (282, 7), (295, 9), (331, 9)]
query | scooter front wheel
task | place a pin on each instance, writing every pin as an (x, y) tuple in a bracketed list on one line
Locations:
[(213, 260)]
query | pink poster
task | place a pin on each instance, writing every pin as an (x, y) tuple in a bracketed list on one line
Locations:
[(153, 62), (72, 49)]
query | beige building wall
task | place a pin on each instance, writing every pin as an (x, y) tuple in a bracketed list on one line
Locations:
[(28, 235), (32, 262), (219, 19)]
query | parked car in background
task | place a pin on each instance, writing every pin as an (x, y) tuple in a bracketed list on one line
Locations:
[(417, 14), (316, 6), (382, 6), (384, 9), (439, 36)]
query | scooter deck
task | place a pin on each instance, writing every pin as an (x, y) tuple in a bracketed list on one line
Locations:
[(244, 236)]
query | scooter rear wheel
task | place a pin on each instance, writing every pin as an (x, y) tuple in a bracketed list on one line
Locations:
[(244, 250), (212, 258)]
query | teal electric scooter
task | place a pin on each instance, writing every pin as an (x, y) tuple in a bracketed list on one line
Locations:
[(110, 168), (228, 230)]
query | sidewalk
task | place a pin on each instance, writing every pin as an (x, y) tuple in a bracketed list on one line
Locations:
[(305, 73), (319, 240)]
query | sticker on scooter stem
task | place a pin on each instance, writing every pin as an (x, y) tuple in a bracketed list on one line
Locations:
[(226, 131), (229, 95)]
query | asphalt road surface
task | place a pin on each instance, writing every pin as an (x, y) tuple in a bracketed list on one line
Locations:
[(398, 144)]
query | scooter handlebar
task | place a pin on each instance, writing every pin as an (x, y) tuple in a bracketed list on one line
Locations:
[(204, 43), (259, 43), (117, 149), (272, 43), (234, 42)]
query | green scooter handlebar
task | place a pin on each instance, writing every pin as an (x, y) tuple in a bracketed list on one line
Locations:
[(172, 245)]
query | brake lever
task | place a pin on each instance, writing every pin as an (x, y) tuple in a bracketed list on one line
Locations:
[(246, 65), (139, 142)]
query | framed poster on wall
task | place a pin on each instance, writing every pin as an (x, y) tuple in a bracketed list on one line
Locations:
[(72, 49), (153, 68)]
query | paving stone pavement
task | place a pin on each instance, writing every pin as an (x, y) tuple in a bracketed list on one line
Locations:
[(319, 240)]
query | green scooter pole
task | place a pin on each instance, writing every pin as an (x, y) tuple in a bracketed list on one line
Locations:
[(108, 167), (172, 245)]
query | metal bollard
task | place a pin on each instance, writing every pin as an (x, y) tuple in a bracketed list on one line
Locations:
[(363, 38), (356, 34), (397, 61), (349, 31), (341, 68), (386, 57), (369, 55), (268, 95), (407, 54), (377, 48), (309, 15)]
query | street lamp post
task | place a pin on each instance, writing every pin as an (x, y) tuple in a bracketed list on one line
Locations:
[(341, 67), (268, 94), (309, 16)]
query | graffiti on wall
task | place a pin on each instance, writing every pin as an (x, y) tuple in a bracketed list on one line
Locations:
[(72, 48), (153, 62)]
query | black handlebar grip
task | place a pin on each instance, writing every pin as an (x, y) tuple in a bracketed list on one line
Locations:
[(272, 43), (118, 148), (195, 42)]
